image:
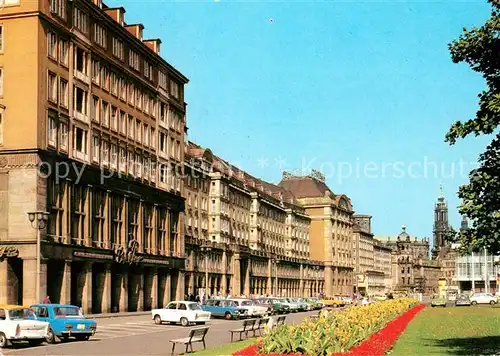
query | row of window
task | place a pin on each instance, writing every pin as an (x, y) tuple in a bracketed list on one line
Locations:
[(100, 37)]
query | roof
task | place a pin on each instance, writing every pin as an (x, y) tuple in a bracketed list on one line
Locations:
[(306, 187), (56, 305)]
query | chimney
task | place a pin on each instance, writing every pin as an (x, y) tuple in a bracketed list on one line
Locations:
[(153, 44), (135, 30), (116, 13), (98, 3)]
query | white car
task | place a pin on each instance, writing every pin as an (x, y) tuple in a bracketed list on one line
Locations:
[(19, 323), (253, 309), (183, 312), (483, 298)]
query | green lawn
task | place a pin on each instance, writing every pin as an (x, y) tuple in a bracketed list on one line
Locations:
[(225, 350), (448, 331)]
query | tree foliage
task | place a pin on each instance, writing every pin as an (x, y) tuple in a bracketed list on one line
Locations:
[(479, 47)]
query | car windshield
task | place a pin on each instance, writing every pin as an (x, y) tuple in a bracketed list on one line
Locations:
[(194, 306), (21, 314), (246, 303), (68, 312)]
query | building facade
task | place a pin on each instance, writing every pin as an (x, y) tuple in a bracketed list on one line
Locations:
[(93, 137), (382, 262), (330, 234), (243, 235)]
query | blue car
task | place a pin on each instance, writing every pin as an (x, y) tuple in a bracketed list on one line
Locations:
[(65, 321), (226, 309)]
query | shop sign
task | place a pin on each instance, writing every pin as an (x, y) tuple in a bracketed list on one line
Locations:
[(91, 255), (128, 255), (8, 251)]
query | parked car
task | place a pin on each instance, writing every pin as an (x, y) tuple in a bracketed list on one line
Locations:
[(253, 309), (438, 301), (19, 323), (279, 306), (263, 302), (305, 303), (483, 298), (462, 300), (65, 321), (294, 306), (226, 309), (182, 312)]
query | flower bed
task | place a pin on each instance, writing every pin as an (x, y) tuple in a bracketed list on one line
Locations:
[(338, 333)]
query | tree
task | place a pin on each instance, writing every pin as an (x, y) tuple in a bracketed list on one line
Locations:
[(480, 49)]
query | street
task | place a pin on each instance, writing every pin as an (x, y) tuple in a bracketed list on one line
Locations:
[(137, 335)]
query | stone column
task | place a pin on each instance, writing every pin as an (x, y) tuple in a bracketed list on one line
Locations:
[(247, 278), (140, 297), (301, 283), (224, 273), (4, 282), (269, 282), (181, 280), (66, 218), (87, 220), (236, 275), (87, 288), (167, 281), (329, 281), (154, 289), (29, 281), (123, 302), (66, 284), (106, 289)]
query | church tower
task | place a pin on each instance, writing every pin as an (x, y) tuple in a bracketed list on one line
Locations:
[(441, 226)]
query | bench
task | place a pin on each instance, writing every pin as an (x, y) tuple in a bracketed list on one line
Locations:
[(195, 335), (280, 320), (248, 325), (260, 325)]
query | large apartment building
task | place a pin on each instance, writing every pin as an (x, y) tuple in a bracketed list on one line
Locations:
[(244, 236), (92, 124)]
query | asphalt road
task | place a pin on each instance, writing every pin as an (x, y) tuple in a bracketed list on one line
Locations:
[(137, 335)]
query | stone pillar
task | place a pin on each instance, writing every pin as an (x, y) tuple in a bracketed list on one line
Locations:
[(224, 273), (247, 278), (336, 280), (167, 281), (329, 281), (181, 280), (66, 284), (29, 281), (87, 288), (154, 289), (236, 275), (87, 220), (106, 289), (4, 282), (140, 297), (123, 302), (269, 284), (301, 283)]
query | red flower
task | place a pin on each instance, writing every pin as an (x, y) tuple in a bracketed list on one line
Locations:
[(376, 345)]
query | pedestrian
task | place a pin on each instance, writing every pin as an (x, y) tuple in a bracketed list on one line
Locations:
[(46, 300)]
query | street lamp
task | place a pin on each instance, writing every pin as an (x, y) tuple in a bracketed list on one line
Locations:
[(38, 220), (205, 249)]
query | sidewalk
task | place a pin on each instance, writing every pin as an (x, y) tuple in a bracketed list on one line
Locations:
[(117, 315)]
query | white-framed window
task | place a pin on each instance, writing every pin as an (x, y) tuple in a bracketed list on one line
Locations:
[(52, 87), (163, 143), (131, 126), (52, 45), (138, 98), (163, 112), (105, 77), (81, 61), (63, 52), (80, 20), (138, 130), (172, 147), (96, 71), (63, 93), (114, 118), (152, 107), (122, 88), (148, 71), (105, 152), (52, 129), (174, 89), (1, 38), (117, 48), (80, 100), (162, 80), (114, 155), (114, 84), (80, 141), (123, 159), (130, 156), (104, 113), (145, 135), (58, 7), (123, 123), (152, 138), (100, 36), (64, 135), (131, 93), (133, 60), (146, 104), (95, 109), (178, 150), (95, 148)]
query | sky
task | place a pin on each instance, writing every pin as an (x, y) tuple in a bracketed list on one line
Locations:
[(361, 91)]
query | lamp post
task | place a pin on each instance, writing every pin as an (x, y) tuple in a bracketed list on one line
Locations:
[(38, 220), (205, 249)]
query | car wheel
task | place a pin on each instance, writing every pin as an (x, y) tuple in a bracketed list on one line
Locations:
[(3, 340), (473, 302), (50, 338), (184, 322), (228, 316), (157, 319), (492, 302)]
